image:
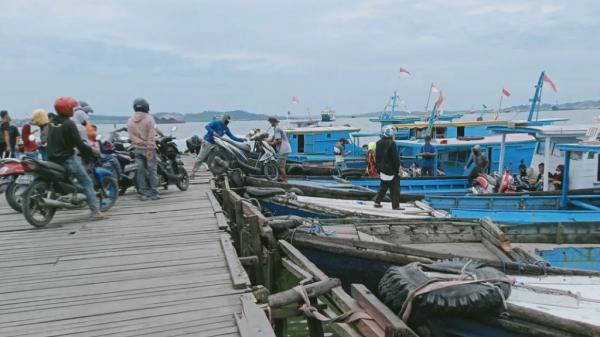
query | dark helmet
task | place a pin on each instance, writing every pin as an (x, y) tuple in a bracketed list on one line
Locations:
[(140, 104), (85, 107), (66, 106)]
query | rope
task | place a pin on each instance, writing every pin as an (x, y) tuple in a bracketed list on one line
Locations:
[(310, 311)]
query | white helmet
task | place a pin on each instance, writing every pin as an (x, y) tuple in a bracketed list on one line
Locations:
[(387, 132)]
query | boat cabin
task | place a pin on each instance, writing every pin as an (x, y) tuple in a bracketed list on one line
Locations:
[(315, 144)]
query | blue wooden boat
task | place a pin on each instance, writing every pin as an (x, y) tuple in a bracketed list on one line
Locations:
[(504, 202)]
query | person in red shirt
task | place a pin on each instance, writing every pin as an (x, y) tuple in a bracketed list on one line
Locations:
[(29, 144)]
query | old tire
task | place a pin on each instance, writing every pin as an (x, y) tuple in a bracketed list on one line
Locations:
[(184, 183), (14, 196), (34, 211), (108, 195), (466, 299), (271, 170), (214, 161)]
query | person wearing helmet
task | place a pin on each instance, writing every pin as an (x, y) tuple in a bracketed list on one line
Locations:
[(387, 161), (215, 129), (480, 160), (141, 128), (81, 117), (39, 118), (63, 138)]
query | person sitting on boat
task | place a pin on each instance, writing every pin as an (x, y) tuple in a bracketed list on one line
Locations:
[(387, 161), (215, 129), (557, 177), (280, 141), (340, 152), (371, 165), (539, 182), (480, 160), (428, 154)]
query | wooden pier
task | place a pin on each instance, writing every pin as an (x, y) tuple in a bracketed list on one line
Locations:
[(154, 268)]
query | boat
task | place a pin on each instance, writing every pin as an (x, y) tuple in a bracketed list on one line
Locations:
[(169, 120), (327, 115)]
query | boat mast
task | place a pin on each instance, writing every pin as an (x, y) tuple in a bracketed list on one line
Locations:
[(394, 102), (428, 97), (537, 97), (431, 119)]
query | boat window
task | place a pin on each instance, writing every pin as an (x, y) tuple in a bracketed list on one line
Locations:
[(462, 156), (591, 155), (540, 148), (329, 135), (300, 144), (440, 132), (558, 153), (460, 131), (576, 155)]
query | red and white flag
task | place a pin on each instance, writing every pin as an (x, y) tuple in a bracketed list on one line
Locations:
[(439, 101), (405, 71), (295, 100), (505, 92), (549, 81), (434, 88)]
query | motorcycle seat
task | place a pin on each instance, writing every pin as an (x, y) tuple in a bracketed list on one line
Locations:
[(52, 166), (242, 146)]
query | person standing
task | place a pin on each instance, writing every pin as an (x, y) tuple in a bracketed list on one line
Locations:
[(282, 144), (63, 138), (142, 134), (29, 144), (387, 161), (9, 136), (428, 154), (481, 163), (215, 129), (339, 150), (39, 117)]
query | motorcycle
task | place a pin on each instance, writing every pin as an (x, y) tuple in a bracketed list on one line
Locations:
[(170, 167), (50, 187), (127, 167), (10, 170), (228, 154)]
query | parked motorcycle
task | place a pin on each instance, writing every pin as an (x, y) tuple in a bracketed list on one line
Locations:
[(10, 170), (127, 167), (50, 187), (231, 155), (170, 167)]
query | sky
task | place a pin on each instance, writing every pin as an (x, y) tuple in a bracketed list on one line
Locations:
[(191, 56)]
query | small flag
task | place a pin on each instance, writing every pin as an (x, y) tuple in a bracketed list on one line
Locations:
[(405, 71), (505, 92), (439, 101), (434, 88), (295, 100), (549, 81)]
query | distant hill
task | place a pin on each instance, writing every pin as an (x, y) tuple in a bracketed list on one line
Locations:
[(205, 116)]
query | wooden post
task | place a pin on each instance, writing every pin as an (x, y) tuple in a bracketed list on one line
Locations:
[(312, 290), (315, 327)]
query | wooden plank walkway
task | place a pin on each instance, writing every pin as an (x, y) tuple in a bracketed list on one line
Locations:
[(154, 268)]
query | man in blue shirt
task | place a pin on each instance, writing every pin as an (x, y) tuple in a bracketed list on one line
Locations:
[(217, 128), (428, 154)]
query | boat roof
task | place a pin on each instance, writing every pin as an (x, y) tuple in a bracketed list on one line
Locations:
[(488, 123), (322, 129), (542, 131), (517, 137), (593, 146)]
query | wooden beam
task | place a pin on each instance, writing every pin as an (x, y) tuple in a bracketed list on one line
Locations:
[(238, 274), (312, 290), (394, 326), (304, 276), (252, 321)]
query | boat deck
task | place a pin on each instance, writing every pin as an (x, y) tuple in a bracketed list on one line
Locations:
[(155, 268)]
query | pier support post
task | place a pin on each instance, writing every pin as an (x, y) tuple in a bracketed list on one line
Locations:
[(502, 154), (547, 152)]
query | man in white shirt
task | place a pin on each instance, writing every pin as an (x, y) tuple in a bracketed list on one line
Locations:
[(280, 141)]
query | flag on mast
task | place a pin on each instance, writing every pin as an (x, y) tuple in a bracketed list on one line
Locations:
[(549, 81), (405, 71), (295, 100), (439, 100), (505, 92)]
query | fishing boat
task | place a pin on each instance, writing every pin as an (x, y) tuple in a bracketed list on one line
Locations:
[(571, 208), (327, 115)]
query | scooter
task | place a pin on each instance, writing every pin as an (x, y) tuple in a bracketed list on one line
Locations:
[(127, 170), (170, 167), (50, 188), (10, 170), (225, 156)]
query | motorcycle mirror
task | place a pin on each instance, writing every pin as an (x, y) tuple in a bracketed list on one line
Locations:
[(31, 138)]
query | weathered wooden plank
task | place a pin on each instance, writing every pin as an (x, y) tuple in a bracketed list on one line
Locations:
[(252, 321), (238, 274)]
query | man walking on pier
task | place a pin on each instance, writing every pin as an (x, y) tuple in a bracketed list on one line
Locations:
[(141, 128), (217, 128), (281, 142), (387, 161)]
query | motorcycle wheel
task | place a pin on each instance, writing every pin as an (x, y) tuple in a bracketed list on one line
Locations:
[(108, 195), (14, 196), (213, 164), (35, 213), (184, 183), (271, 170)]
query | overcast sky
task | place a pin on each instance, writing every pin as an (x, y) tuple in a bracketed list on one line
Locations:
[(190, 56)]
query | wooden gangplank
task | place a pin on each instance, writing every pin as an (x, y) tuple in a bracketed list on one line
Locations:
[(154, 268)]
